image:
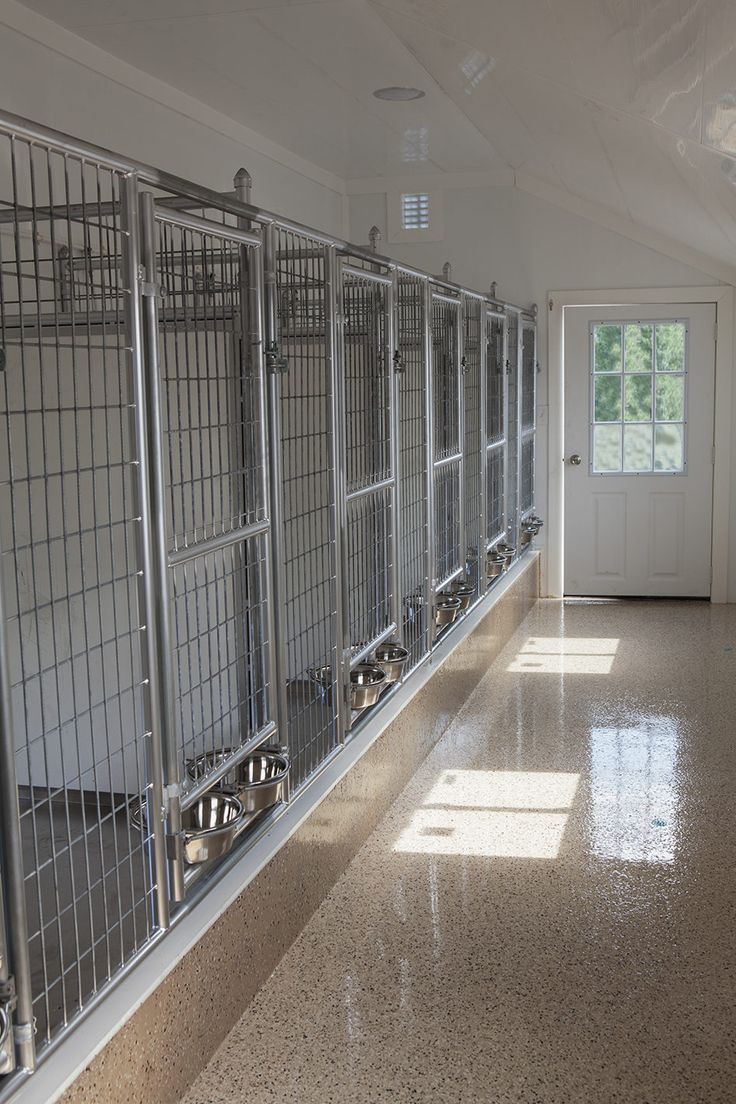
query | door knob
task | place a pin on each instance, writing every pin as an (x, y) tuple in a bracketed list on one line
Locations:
[(576, 459)]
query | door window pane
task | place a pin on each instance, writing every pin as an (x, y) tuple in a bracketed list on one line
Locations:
[(637, 448), (608, 399), (670, 399), (670, 346), (607, 349), (668, 448), (638, 347), (638, 396), (638, 407), (607, 448)]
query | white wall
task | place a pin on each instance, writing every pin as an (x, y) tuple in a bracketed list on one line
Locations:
[(134, 115), (532, 247)]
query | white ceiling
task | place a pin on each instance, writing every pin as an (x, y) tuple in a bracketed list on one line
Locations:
[(628, 104)]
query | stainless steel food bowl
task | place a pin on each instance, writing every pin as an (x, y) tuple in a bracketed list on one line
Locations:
[(446, 609), (208, 826), (391, 659), (464, 591), (507, 551), (257, 781), (366, 683), (262, 779), (495, 563)]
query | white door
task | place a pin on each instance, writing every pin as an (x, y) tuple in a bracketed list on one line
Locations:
[(639, 385)]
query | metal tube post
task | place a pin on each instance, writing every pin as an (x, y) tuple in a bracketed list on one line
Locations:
[(266, 292), (130, 262), (335, 362), (21, 1029), (396, 606), (155, 550), (335, 291), (429, 416), (482, 443), (461, 369)]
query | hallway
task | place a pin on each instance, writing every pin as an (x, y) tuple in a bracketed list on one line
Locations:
[(547, 914)]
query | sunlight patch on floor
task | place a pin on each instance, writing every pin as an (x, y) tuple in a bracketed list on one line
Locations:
[(572, 655), (501, 814), (484, 789)]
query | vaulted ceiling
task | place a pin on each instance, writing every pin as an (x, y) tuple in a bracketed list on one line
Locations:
[(626, 104)]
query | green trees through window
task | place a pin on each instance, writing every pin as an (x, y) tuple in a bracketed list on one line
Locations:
[(638, 396)]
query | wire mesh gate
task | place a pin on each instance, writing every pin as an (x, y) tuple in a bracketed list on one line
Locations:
[(496, 427), (513, 339), (447, 437), (369, 464), (414, 399), (300, 272), (473, 363), (168, 606), (69, 533), (206, 392), (527, 416)]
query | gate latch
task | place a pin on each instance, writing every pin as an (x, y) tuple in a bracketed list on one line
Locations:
[(398, 362), (276, 361)]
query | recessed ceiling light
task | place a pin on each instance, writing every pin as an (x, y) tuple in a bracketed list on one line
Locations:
[(398, 92)]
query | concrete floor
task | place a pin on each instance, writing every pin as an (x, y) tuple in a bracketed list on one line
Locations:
[(548, 912)]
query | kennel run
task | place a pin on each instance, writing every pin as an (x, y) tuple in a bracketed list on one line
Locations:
[(251, 477)]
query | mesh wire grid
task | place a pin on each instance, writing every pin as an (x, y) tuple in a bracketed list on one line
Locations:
[(528, 400), (214, 455), (307, 435), (369, 566), (472, 445), (512, 453), (495, 428), (367, 382), (448, 546), (368, 457), (69, 534), (411, 311), (446, 397)]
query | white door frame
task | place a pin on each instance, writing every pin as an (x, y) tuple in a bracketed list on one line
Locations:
[(557, 301)]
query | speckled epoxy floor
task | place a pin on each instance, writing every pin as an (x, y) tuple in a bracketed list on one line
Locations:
[(548, 913)]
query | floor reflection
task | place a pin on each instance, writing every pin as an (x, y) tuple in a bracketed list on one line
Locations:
[(633, 779)]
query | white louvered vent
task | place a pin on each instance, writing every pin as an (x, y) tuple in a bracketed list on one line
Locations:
[(415, 211)]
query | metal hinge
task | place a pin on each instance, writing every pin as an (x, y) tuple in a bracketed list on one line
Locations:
[(175, 847), (276, 361), (148, 288), (7, 1030)]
